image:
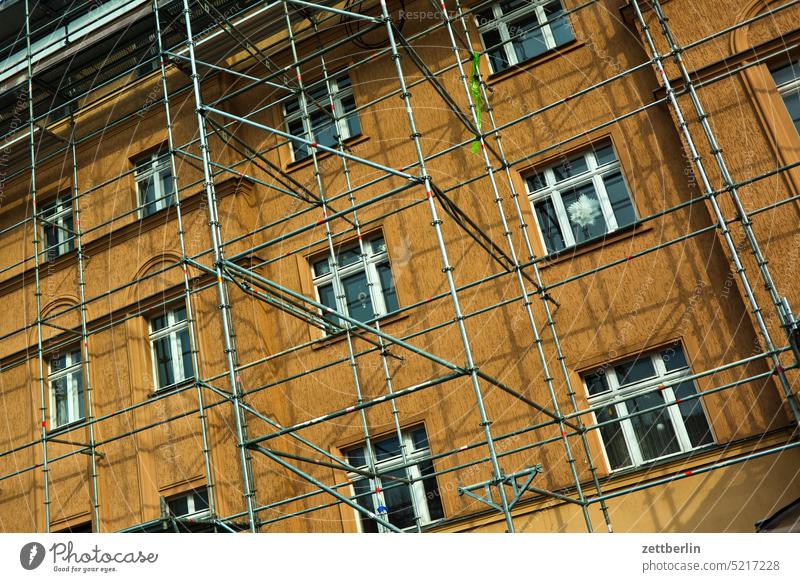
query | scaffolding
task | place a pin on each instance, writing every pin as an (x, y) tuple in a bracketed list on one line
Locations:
[(261, 47)]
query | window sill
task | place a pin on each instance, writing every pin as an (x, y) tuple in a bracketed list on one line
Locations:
[(340, 336), (321, 155), (663, 461), (65, 428), (533, 62), (590, 246)]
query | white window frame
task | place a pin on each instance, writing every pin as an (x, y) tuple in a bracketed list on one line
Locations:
[(418, 495), (340, 118), (192, 512), (155, 165), (373, 260), (553, 189), (790, 87), (171, 330), (662, 382), (500, 23), (72, 368), (61, 208)]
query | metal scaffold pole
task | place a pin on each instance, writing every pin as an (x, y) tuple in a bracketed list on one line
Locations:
[(187, 289), (36, 274), (218, 256), (425, 181), (481, 94), (697, 159), (85, 352), (779, 303)]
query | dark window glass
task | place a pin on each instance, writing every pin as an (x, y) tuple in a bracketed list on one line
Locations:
[(694, 419), (654, 431), (613, 439), (548, 225), (635, 370)]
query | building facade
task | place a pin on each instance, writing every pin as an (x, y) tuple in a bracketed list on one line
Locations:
[(369, 267)]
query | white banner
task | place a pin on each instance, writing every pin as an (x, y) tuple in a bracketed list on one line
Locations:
[(484, 557)]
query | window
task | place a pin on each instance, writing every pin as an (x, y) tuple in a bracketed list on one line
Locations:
[(320, 122), (365, 293), (787, 78), (188, 504), (154, 183), (66, 388), (514, 31), (641, 384), (169, 342), (390, 495), (57, 224), (580, 198)]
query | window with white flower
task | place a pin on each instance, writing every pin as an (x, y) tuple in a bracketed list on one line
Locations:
[(579, 199), (641, 387)]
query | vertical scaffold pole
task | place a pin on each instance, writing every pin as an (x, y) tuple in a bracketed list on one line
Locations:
[(337, 283), (216, 244), (187, 291), (36, 274), (742, 215), (387, 374), (711, 194), (85, 355), (425, 179), (527, 303)]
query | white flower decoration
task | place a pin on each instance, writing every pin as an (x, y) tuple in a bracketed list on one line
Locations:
[(584, 211)]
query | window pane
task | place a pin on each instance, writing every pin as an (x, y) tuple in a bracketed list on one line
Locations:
[(654, 431), (536, 181), (620, 199), (184, 345), (158, 322), (387, 448), (387, 286), (200, 500), (348, 104), (673, 358), (570, 168), (634, 371), (61, 398), (786, 73), (349, 256), (179, 505), (58, 362), (356, 457), (179, 314), (613, 439), (597, 383), (148, 194), (356, 291), (432, 496), (321, 267), (363, 492), (792, 101), (77, 383), (605, 155), (559, 23), (166, 188), (496, 55), (378, 245), (583, 210), (548, 225), (528, 37), (420, 439), (164, 363), (300, 149), (694, 419), (397, 497), (328, 298)]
